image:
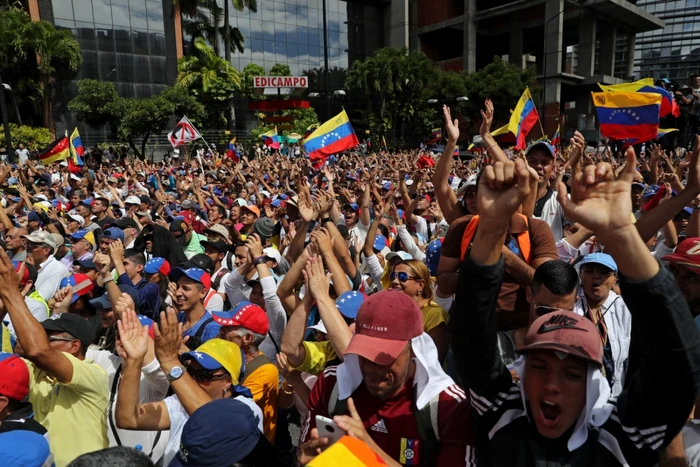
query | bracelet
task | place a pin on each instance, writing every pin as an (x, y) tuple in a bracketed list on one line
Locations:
[(259, 260), (489, 148), (109, 278), (284, 390)]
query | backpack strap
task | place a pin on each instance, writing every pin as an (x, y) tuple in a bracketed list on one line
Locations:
[(200, 330), (217, 279), (335, 406), (254, 364), (468, 236)]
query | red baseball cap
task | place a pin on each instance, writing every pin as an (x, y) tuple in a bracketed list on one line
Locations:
[(687, 254), (385, 323), (247, 315), (14, 377), (566, 332)]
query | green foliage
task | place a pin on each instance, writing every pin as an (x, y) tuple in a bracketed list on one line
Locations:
[(185, 104), (204, 19), (280, 69), (211, 80), (143, 117), (33, 138), (94, 102), (249, 72)]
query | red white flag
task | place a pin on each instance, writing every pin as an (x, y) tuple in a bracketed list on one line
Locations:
[(184, 132)]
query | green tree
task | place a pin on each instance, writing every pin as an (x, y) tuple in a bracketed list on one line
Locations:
[(249, 72), (185, 104), (501, 82), (141, 118), (34, 138), (391, 84), (53, 47), (280, 69), (94, 102), (211, 80)]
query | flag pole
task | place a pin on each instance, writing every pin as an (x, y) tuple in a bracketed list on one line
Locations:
[(539, 120)]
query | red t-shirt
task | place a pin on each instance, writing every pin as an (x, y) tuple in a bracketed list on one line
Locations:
[(392, 423)]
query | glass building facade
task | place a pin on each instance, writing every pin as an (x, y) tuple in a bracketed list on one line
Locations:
[(674, 51)]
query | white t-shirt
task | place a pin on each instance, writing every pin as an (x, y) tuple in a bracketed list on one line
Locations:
[(179, 416), (358, 231), (22, 155), (553, 215)]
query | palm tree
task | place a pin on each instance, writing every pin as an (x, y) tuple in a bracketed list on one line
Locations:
[(209, 78), (53, 47), (238, 5)]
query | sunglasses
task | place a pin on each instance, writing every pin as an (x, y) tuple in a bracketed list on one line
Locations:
[(203, 376), (403, 276)]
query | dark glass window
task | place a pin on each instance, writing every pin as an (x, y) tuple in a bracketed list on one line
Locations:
[(123, 41), (140, 41), (142, 69), (105, 40), (125, 67)]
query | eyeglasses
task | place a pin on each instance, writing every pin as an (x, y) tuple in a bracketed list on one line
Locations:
[(403, 276), (203, 376), (60, 339)]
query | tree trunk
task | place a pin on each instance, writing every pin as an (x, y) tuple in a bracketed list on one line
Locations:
[(215, 23), (143, 146), (227, 32)]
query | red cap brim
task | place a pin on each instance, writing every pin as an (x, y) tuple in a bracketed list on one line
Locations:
[(682, 260), (375, 349)]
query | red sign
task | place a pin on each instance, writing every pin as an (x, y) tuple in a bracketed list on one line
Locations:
[(280, 82)]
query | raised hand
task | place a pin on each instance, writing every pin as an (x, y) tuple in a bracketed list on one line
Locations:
[(254, 245), (124, 303), (486, 118), (168, 338), (315, 277), (62, 299), (451, 126), (323, 240), (133, 337), (598, 201), (116, 251), (502, 189)]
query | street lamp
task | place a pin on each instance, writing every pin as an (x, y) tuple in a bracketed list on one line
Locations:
[(462, 99), (14, 102), (432, 101), (456, 99), (339, 92), (313, 95), (6, 126)]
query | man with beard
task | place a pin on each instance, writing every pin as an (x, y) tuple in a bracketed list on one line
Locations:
[(189, 240)]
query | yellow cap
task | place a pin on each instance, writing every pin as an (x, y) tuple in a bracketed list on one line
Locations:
[(218, 353), (90, 238)]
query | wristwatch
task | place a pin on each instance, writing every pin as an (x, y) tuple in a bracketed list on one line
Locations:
[(175, 373)]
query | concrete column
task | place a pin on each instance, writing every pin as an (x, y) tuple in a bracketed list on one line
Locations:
[(515, 42), (586, 46), (469, 50), (552, 61), (631, 46), (606, 56), (398, 24), (414, 40)]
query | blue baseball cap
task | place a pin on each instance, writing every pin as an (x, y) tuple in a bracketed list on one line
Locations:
[(12, 181), (600, 258), (543, 145), (276, 203), (650, 190), (33, 216), (196, 274), (80, 283), (157, 264), (24, 447), (103, 303), (386, 186), (349, 303), (114, 232), (86, 263), (640, 185), (379, 242), (221, 432), (84, 234), (432, 255), (353, 206)]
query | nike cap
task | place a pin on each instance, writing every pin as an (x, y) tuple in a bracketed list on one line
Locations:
[(565, 332)]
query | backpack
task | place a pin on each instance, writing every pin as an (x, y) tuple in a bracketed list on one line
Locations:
[(426, 420), (196, 340)]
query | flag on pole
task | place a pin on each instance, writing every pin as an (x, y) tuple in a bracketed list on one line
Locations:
[(232, 153), (57, 151), (271, 139), (334, 136), (76, 147), (668, 103), (384, 142), (435, 135), (628, 115), (556, 140), (184, 132), (523, 119)]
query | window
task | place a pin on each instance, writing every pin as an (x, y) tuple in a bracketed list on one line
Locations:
[(63, 9), (155, 16), (138, 16), (105, 40), (120, 13), (83, 10), (102, 11)]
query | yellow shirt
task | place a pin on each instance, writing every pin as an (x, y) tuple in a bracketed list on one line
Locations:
[(5, 342), (433, 316), (264, 384), (75, 413), (317, 354)]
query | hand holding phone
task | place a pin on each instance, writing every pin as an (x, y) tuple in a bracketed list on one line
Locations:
[(327, 428)]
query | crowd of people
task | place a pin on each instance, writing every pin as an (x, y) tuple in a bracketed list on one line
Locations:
[(517, 308)]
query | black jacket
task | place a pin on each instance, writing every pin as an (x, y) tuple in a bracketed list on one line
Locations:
[(165, 244), (648, 414), (22, 419)]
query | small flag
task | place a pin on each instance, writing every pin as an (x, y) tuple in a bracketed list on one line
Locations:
[(384, 142), (232, 153), (456, 151), (76, 147), (556, 140), (668, 103), (334, 136), (271, 139), (57, 151), (628, 115), (184, 132), (435, 135), (523, 119)]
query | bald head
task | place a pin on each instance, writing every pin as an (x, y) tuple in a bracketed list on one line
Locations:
[(14, 240)]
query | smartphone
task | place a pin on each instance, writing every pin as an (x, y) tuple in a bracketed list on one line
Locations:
[(329, 429)]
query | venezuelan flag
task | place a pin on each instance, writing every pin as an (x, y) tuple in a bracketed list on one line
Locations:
[(660, 134), (668, 104), (523, 119), (503, 135), (435, 135), (57, 151), (556, 140), (231, 152), (334, 136), (347, 452), (271, 139), (76, 147), (628, 115)]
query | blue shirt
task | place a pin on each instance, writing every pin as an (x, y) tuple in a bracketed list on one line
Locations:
[(148, 293), (211, 330)]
